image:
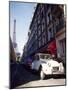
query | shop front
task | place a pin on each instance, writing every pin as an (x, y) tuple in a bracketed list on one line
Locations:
[(52, 48)]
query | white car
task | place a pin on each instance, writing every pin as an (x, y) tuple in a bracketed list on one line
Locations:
[(46, 65)]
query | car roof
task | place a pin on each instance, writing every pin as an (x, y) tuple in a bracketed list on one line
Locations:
[(41, 54)]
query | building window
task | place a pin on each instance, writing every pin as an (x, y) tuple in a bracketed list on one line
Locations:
[(38, 17), (42, 7), (39, 30), (43, 24), (57, 25), (36, 44), (35, 20), (43, 39), (62, 46), (47, 20), (39, 42), (42, 14), (49, 17), (50, 34), (54, 28), (36, 34)]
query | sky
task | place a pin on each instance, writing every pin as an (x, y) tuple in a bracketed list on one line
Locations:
[(23, 13)]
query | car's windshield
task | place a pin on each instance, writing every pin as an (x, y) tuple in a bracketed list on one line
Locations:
[(45, 56), (43, 61)]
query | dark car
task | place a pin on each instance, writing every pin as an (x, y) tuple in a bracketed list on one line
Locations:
[(28, 63)]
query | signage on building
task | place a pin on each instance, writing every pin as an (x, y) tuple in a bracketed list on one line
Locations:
[(52, 47)]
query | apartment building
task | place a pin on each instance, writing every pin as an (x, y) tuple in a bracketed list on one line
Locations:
[(44, 29), (60, 35)]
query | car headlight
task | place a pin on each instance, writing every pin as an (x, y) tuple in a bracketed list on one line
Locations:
[(61, 64), (49, 64), (61, 67)]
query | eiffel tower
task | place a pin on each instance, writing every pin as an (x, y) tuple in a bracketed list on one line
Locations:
[(14, 37)]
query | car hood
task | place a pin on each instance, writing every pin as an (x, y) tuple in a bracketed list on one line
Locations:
[(53, 63)]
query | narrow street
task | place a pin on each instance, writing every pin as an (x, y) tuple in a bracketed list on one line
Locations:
[(48, 82), (37, 43), (24, 78)]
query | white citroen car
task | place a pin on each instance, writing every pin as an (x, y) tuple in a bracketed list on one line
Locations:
[(47, 65)]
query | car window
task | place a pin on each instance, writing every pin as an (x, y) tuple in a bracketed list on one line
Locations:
[(48, 57), (37, 57), (43, 61), (45, 56), (42, 56)]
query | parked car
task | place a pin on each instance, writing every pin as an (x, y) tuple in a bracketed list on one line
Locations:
[(46, 65), (28, 63)]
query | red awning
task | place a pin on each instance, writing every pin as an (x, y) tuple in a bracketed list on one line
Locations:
[(52, 47)]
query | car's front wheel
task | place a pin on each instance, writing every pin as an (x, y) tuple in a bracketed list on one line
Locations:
[(42, 75)]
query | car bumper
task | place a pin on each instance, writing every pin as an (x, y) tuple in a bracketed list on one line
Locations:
[(53, 73), (58, 72)]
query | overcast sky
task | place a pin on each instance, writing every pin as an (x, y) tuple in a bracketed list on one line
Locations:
[(23, 13)]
